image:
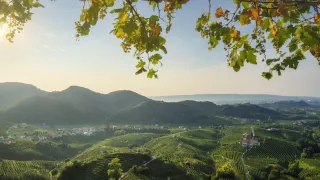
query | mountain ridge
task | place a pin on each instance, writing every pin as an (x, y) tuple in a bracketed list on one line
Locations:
[(234, 98), (119, 107)]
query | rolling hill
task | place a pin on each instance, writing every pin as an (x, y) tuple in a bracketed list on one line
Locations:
[(286, 105), (234, 98), (76, 105), (28, 170), (190, 112), (206, 107), (73, 105), (12, 93), (153, 112), (84, 110), (249, 111), (43, 109), (90, 103), (96, 104), (119, 100)]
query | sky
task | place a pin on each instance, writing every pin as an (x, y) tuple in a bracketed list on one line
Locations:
[(47, 55)]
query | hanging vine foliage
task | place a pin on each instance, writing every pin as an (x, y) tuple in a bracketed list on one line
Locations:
[(291, 26)]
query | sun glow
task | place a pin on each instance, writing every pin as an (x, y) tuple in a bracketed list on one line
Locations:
[(3, 29)]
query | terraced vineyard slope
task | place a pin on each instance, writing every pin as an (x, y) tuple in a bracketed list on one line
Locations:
[(26, 170)]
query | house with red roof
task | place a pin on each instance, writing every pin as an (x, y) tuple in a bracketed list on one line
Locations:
[(249, 142)]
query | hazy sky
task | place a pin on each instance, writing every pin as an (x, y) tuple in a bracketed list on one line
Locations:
[(47, 56)]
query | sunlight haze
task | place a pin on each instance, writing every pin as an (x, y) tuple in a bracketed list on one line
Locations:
[(47, 55)]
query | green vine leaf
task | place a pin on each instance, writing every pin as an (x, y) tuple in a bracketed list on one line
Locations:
[(292, 28)]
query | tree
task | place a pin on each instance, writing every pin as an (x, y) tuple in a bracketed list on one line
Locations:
[(225, 172), (119, 132), (274, 174), (114, 171), (294, 169), (292, 27)]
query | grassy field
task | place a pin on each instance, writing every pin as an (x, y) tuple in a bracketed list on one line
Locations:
[(26, 170)]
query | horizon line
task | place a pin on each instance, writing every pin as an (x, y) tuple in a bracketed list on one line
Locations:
[(154, 96)]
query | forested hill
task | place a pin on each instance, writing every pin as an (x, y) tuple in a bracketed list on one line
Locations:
[(187, 112), (286, 105), (12, 93), (78, 105), (52, 110), (249, 111), (83, 104), (235, 98), (43, 109), (158, 112)]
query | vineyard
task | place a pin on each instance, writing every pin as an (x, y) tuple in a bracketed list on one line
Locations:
[(172, 148), (204, 139), (271, 148), (130, 140), (188, 155), (310, 174), (29, 150), (186, 146), (230, 154), (283, 134), (31, 170), (311, 169), (232, 135), (122, 143), (200, 134), (269, 152), (96, 169), (309, 163)]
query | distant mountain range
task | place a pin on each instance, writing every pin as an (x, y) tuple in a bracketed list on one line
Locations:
[(26, 103), (235, 98), (12, 93), (286, 105), (77, 105)]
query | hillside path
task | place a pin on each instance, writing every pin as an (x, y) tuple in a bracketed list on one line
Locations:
[(152, 159)]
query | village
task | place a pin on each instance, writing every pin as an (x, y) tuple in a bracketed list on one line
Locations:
[(50, 134), (46, 133)]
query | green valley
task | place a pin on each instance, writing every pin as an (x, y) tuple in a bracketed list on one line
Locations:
[(83, 135)]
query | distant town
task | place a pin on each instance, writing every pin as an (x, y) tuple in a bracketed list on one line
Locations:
[(53, 133)]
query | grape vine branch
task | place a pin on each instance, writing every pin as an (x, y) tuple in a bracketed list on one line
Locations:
[(291, 26)]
